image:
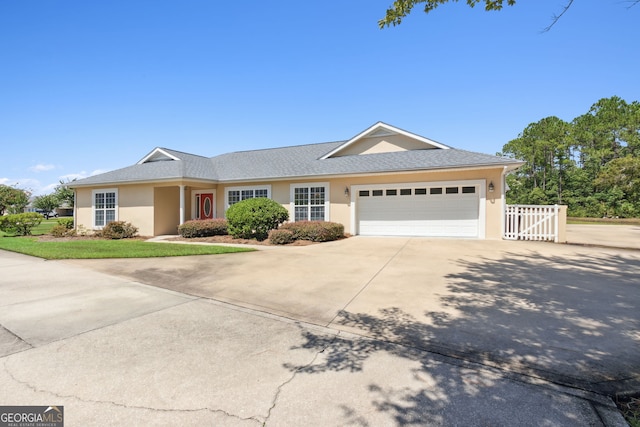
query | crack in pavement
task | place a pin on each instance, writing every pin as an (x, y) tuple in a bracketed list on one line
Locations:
[(295, 373), (125, 406), (366, 285)]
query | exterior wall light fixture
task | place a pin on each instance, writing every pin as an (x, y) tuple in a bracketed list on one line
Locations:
[(491, 187)]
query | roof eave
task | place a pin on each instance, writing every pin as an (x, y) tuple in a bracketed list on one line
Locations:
[(510, 166), (144, 181)]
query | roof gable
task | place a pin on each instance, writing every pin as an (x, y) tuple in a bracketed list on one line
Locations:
[(383, 138), (158, 155)]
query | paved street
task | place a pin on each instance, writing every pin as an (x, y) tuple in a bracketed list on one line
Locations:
[(363, 331)]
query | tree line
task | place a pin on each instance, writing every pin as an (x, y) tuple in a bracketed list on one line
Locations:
[(591, 164), (14, 200)]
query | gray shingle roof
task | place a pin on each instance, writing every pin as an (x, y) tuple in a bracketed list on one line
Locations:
[(303, 161), (292, 162), (189, 166)]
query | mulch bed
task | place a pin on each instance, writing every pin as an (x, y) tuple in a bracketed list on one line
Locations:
[(210, 239), (229, 239)]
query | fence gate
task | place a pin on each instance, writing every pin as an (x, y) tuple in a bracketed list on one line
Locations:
[(532, 222)]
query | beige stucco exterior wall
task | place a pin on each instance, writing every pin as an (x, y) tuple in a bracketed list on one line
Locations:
[(135, 205), (562, 224), (341, 205), (155, 209), (82, 209), (166, 211)]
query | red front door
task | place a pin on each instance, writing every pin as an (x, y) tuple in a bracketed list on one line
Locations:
[(206, 206)]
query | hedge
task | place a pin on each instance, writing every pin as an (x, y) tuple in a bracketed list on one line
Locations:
[(281, 237), (315, 231), (20, 224), (118, 230), (203, 228)]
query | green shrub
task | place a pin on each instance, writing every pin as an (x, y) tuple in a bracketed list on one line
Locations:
[(203, 228), (254, 218), (61, 230), (66, 223), (281, 237), (20, 224), (315, 231), (118, 230)]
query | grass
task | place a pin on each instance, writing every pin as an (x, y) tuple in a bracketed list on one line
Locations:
[(630, 408), (98, 249), (44, 228), (609, 221)]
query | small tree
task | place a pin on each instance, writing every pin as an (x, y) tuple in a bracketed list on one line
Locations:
[(12, 200), (64, 194), (254, 218), (46, 203)]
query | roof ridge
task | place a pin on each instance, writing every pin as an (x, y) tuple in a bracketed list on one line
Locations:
[(183, 152), (281, 148)]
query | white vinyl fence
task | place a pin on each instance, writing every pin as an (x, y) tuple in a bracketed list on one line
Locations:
[(532, 222)]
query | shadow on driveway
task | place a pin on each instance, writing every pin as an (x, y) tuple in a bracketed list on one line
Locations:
[(569, 320)]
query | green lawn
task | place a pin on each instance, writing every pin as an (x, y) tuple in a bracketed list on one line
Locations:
[(44, 228), (93, 249), (609, 221)]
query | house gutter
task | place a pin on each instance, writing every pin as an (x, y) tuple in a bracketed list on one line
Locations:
[(506, 168), (75, 208), (503, 197)]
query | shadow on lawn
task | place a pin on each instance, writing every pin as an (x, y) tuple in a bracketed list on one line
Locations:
[(569, 320)]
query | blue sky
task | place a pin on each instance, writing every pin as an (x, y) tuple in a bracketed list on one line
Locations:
[(93, 86)]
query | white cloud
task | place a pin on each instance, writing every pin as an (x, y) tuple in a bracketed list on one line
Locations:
[(29, 184), (72, 176), (41, 168), (47, 189)]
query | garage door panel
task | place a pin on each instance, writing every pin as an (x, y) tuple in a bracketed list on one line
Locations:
[(419, 228), (431, 215)]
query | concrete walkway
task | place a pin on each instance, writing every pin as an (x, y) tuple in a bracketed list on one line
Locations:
[(362, 331)]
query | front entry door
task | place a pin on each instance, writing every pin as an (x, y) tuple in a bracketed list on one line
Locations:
[(206, 205)]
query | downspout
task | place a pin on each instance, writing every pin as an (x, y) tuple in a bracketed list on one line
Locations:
[(75, 208), (503, 197)]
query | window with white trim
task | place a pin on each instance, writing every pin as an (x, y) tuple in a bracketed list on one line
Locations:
[(238, 194), (310, 202), (105, 207)]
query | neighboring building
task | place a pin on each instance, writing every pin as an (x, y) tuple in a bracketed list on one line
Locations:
[(384, 181)]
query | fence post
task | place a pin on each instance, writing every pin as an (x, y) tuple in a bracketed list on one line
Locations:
[(557, 224)]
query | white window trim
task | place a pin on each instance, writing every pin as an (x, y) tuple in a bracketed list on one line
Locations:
[(480, 184), (194, 213), (292, 200), (93, 206), (247, 187)]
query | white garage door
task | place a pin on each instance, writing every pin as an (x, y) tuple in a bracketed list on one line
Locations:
[(419, 210)]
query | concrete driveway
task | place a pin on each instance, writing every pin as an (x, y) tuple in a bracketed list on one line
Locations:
[(606, 235), (365, 331)]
